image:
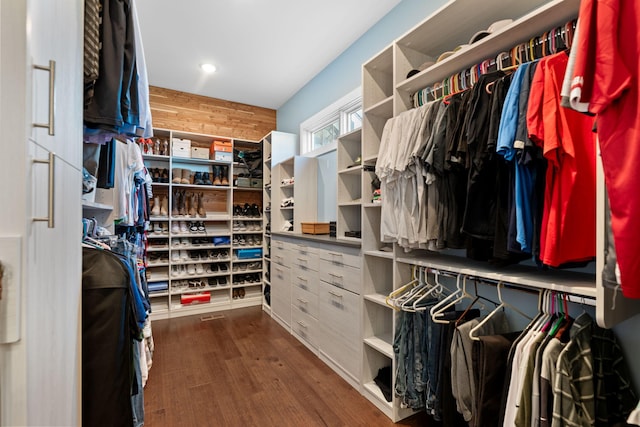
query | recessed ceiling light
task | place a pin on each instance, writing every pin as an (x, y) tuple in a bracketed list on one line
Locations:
[(208, 68)]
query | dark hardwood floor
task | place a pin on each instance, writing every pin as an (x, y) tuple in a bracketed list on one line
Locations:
[(246, 370)]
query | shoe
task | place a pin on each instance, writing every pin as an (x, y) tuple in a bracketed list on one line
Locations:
[(206, 178), (197, 178), (200, 226), (234, 294), (184, 255), (224, 179), (183, 227), (241, 293), (222, 281), (156, 206), (223, 267), (175, 271), (191, 269), (217, 171), (191, 205), (186, 177), (194, 256), (164, 206), (212, 281), (174, 203), (200, 206), (175, 227), (164, 176), (182, 210), (175, 256), (193, 227), (214, 268), (199, 269), (184, 241), (176, 174)]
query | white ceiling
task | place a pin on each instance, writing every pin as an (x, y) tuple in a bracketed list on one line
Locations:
[(265, 50)]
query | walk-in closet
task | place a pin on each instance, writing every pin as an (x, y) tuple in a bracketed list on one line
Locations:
[(405, 212)]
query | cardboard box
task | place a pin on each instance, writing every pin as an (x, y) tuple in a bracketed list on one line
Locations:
[(225, 146), (195, 298), (249, 253), (223, 156), (256, 182), (199, 153), (181, 147), (315, 227)]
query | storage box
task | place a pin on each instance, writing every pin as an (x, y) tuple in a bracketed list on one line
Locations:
[(249, 253), (256, 182), (223, 156), (181, 147), (315, 227), (199, 153), (198, 298), (243, 182), (218, 145)]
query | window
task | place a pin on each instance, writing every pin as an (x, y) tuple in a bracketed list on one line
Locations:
[(318, 134)]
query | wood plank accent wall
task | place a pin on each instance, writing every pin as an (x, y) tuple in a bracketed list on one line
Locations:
[(187, 112)]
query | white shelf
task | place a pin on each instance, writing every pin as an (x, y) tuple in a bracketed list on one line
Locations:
[(373, 390), (581, 284), (380, 254), (158, 218), (383, 344), (193, 161), (247, 188), (372, 205), (371, 159), (355, 170), (203, 187), (384, 108), (96, 206), (155, 157), (284, 186), (379, 299), (355, 203)]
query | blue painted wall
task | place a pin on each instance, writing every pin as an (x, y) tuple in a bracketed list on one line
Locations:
[(339, 78)]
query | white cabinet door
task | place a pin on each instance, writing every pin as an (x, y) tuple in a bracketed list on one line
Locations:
[(54, 33), (52, 295), (281, 293)]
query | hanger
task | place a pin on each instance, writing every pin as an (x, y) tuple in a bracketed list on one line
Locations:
[(391, 297), (439, 309), (434, 290), (502, 306)]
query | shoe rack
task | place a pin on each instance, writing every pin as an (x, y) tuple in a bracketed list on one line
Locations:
[(205, 241)]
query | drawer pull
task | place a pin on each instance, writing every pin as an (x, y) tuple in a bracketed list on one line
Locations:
[(50, 125), (336, 294), (50, 218), (303, 301), (335, 254), (301, 323), (302, 279)]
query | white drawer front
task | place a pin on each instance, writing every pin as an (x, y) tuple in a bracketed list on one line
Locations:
[(344, 256), (345, 276), (304, 327), (281, 292), (343, 352), (305, 279), (339, 311), (305, 301), (281, 256), (306, 262)]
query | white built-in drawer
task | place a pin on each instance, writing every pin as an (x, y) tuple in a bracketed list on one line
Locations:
[(304, 327), (339, 310), (305, 257), (281, 292), (303, 300), (341, 351), (344, 256), (305, 279), (281, 256), (344, 276)]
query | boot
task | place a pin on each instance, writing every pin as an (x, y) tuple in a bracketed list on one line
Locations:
[(206, 180), (181, 203), (216, 175), (156, 206), (224, 179), (201, 211), (176, 174), (186, 176), (164, 206), (197, 178), (191, 205), (174, 203)]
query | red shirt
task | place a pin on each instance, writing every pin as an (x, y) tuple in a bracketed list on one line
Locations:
[(606, 78), (569, 215)]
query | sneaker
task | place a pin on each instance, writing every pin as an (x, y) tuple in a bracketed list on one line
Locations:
[(184, 255), (191, 269), (183, 227), (175, 227), (175, 256), (199, 269)]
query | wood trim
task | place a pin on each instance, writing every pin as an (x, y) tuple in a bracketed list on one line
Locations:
[(188, 112)]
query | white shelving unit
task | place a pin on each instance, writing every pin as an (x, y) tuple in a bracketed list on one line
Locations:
[(206, 257), (387, 92), (276, 146), (303, 191), (349, 157)]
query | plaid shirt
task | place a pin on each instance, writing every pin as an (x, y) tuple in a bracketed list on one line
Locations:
[(592, 384)]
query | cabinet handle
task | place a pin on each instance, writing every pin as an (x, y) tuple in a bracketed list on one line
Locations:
[(335, 276), (50, 218), (303, 301), (52, 96), (336, 254), (336, 294), (301, 323), (302, 279)]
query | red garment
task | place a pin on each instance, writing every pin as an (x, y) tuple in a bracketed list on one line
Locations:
[(568, 144), (606, 78)]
